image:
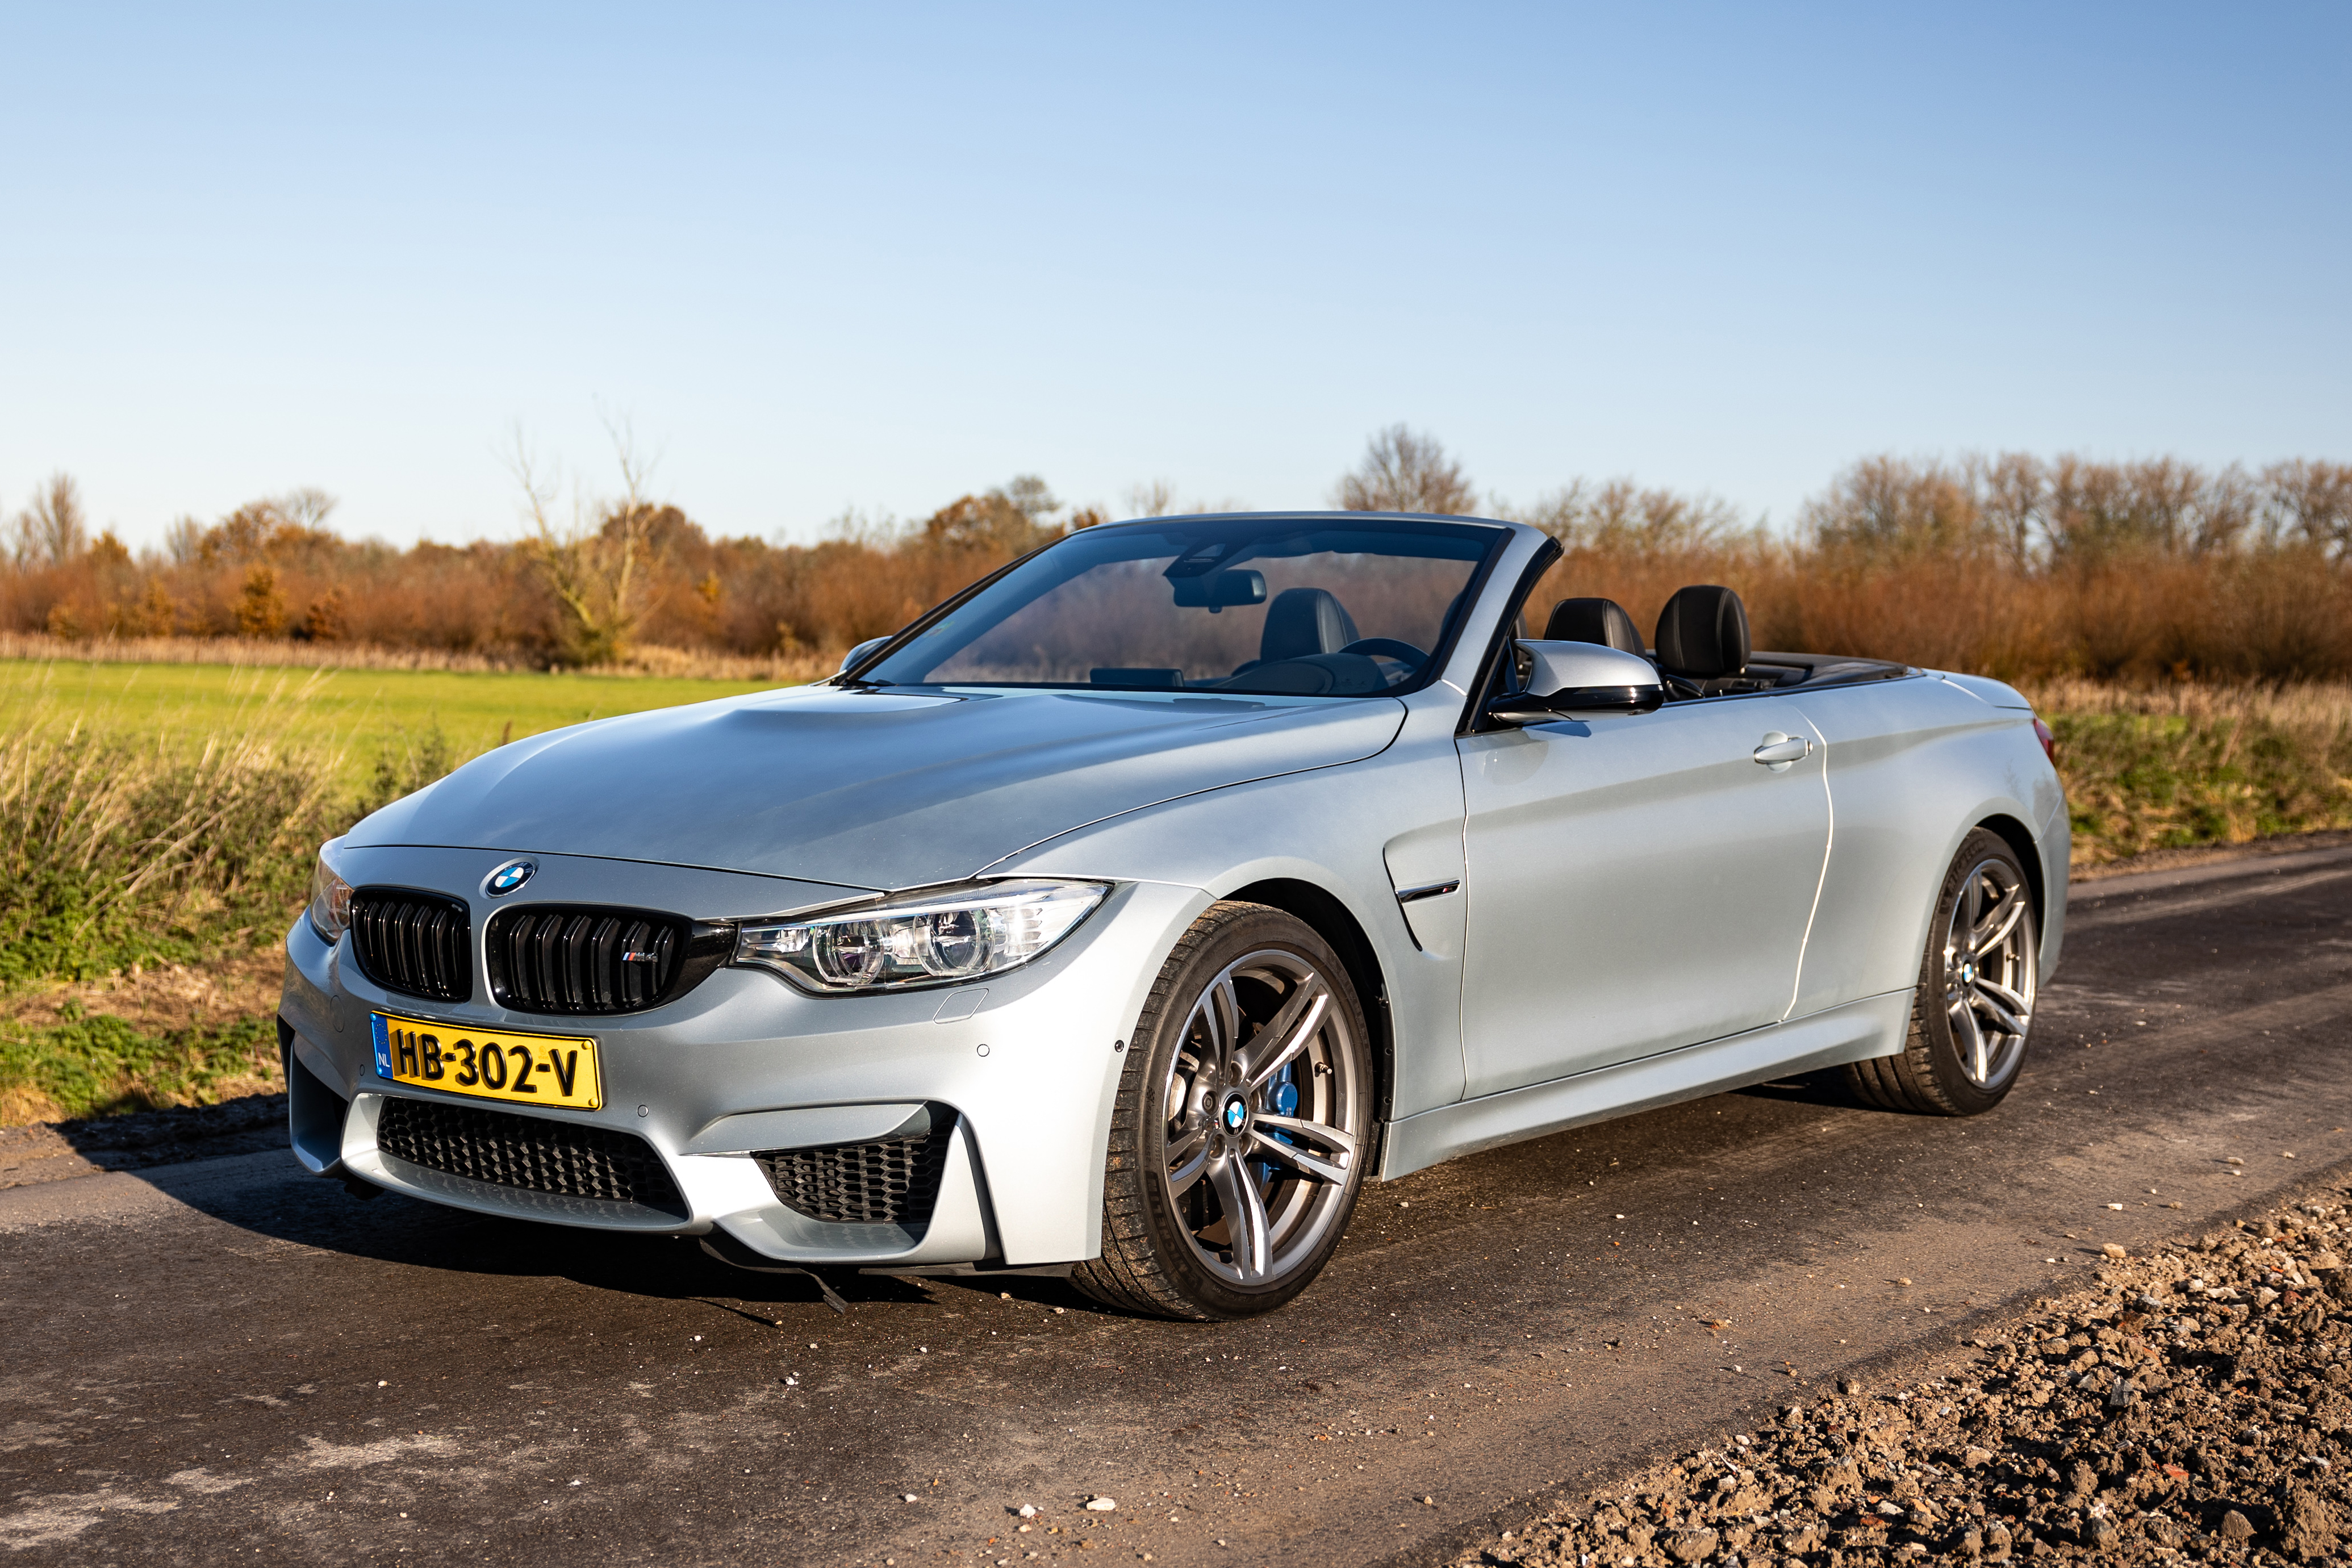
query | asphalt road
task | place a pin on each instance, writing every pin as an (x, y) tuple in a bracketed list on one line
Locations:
[(227, 1359)]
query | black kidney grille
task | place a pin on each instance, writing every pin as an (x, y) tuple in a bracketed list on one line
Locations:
[(559, 1157), (588, 958), (419, 944), (890, 1181)]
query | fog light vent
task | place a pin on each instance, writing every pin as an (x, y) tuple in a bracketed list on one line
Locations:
[(886, 1181)]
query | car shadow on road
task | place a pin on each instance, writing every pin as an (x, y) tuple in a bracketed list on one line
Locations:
[(391, 1231), (387, 1229)]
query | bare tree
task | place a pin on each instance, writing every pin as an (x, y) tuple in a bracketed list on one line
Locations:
[(1890, 506), (183, 541), (1620, 517), (2012, 492), (2310, 503), (590, 564), (53, 530), (1159, 499), (308, 507), (1156, 499), (1403, 471)]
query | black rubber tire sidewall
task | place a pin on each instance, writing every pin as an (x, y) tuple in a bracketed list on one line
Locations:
[(1932, 1029), (1149, 1255)]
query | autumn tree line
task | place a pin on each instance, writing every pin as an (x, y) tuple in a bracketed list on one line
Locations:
[(2012, 565)]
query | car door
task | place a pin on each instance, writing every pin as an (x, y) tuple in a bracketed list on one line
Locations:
[(1636, 883)]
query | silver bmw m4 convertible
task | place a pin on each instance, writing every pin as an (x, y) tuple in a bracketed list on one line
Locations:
[(1125, 915)]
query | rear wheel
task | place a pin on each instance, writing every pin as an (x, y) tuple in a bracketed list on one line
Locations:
[(1243, 1127), (1974, 1008)]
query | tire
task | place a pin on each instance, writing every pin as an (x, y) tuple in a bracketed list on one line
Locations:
[(1248, 1089), (1973, 1012)]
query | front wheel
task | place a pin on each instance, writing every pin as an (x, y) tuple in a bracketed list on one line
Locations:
[(1243, 1127), (1974, 1006)]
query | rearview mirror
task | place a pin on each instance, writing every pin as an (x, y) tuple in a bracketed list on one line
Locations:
[(1220, 589), (1579, 680)]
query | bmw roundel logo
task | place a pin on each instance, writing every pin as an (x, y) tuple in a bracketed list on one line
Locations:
[(508, 877), (1235, 1114)]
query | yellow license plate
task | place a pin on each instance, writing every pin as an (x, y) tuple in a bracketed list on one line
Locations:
[(490, 1064)]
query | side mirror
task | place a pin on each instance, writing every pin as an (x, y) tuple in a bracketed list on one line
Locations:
[(1579, 680), (849, 661)]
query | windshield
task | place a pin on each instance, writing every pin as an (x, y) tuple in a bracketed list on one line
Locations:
[(1308, 607)]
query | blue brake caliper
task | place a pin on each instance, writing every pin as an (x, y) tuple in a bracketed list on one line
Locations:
[(1281, 1099)]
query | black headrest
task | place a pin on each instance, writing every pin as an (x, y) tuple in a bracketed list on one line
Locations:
[(1703, 633), (1302, 623), (1602, 621)]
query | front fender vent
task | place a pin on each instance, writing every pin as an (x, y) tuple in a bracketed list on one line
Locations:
[(418, 944), (583, 958)]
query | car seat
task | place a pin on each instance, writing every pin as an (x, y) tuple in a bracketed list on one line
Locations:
[(1302, 623), (1703, 641), (1602, 621)]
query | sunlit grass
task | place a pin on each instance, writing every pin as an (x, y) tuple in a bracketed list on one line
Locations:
[(352, 713), (2193, 764)]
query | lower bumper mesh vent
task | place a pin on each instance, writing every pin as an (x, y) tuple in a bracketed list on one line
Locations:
[(890, 1181), (558, 1158)]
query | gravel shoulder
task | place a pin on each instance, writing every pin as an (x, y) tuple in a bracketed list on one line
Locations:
[(2196, 1405)]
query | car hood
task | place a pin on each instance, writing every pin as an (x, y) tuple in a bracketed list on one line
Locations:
[(869, 790)]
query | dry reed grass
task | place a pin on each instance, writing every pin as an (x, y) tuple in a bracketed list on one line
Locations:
[(119, 857)]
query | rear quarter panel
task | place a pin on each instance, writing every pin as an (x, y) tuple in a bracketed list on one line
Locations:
[(1914, 765)]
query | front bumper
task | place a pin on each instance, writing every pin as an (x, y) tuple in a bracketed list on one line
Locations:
[(1028, 1068)]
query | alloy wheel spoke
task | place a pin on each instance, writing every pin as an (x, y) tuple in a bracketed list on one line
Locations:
[(2007, 997), (1183, 1076), (1986, 1003), (1967, 1035), (1291, 1154), (1220, 1013), (1287, 1035), (1245, 1222), (1337, 1140), (1996, 927), (1188, 1156)]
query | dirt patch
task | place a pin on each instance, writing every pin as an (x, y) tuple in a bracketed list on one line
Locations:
[(2197, 1405), (234, 984), (146, 1038)]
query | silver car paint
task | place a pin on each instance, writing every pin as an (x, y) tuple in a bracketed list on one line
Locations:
[(1608, 854), (784, 802), (871, 790)]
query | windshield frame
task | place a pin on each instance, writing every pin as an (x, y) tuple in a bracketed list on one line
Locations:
[(1401, 522)]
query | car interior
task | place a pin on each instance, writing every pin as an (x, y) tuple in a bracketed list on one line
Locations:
[(1702, 646)]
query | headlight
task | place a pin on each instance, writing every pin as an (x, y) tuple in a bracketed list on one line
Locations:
[(922, 939), (331, 898)]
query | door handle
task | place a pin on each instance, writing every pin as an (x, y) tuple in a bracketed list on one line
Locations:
[(1780, 752)]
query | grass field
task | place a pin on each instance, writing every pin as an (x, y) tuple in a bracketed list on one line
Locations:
[(350, 715)]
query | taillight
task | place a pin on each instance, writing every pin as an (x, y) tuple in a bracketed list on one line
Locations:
[(2049, 741)]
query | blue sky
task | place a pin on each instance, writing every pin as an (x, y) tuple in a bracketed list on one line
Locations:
[(876, 256)]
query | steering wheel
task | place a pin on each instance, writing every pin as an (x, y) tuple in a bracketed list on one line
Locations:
[(1404, 653)]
